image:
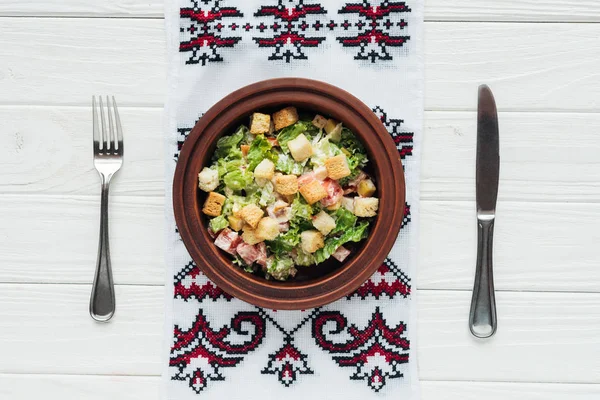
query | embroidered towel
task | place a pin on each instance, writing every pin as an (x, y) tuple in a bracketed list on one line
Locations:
[(362, 346)]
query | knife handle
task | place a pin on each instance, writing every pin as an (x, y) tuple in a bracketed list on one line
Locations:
[(482, 319)]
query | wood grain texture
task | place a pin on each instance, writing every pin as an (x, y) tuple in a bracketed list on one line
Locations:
[(47, 150), (458, 57), (89, 387), (55, 239), (47, 329), (513, 10), (563, 248), (439, 10), (537, 246), (542, 337)]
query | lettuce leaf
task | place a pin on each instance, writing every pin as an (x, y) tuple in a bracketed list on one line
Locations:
[(355, 234), (290, 133), (259, 150), (281, 267), (358, 155), (323, 150), (288, 165), (226, 144), (284, 242), (304, 259), (238, 179), (218, 223), (344, 220)]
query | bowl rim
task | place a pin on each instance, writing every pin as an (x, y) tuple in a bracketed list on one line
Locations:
[(287, 295)]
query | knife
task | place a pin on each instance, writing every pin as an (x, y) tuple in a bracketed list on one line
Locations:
[(482, 318)]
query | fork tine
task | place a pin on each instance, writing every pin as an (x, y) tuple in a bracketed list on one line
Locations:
[(119, 127), (112, 138), (95, 124), (105, 140)]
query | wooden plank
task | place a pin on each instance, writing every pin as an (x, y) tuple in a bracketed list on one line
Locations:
[(545, 157), (565, 245), (49, 150), (57, 239), (503, 391), (458, 57), (90, 387), (513, 10), (543, 337), (537, 246), (437, 10)]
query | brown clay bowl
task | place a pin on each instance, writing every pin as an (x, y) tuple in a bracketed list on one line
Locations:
[(313, 286)]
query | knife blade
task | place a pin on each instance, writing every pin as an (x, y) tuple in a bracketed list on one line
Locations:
[(482, 318)]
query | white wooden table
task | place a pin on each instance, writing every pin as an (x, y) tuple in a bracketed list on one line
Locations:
[(542, 59)]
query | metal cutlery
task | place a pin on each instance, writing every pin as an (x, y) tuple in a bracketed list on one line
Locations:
[(108, 159), (482, 318)]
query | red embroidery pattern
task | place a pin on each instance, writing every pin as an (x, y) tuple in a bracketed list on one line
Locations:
[(207, 27), (190, 283), (199, 353), (372, 34), (388, 281), (203, 23), (288, 31), (375, 353), (287, 363)]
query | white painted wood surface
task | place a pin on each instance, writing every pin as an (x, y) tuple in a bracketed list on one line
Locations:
[(542, 61)]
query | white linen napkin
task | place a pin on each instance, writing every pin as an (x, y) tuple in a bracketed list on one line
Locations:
[(362, 346)]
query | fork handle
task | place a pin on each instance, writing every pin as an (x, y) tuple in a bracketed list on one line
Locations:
[(482, 319), (102, 300)]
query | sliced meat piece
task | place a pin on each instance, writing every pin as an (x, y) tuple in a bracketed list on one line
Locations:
[(249, 253), (353, 184), (334, 192), (280, 211), (284, 226), (341, 253), (227, 240), (305, 178), (262, 254)]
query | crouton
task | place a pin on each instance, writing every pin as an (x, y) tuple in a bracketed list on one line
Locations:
[(336, 134), (319, 121), (245, 149), (267, 229), (251, 214), (286, 117), (366, 206), (259, 123), (286, 184), (330, 125), (208, 179), (213, 204), (335, 205), (300, 148), (311, 241), (264, 170), (366, 188), (313, 191), (235, 223), (337, 167), (250, 237), (348, 203), (323, 222), (320, 173)]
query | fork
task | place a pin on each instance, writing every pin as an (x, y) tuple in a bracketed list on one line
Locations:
[(108, 158)]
